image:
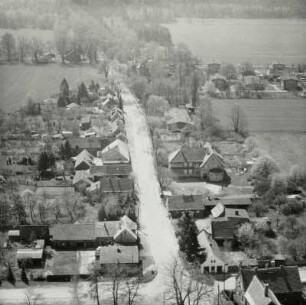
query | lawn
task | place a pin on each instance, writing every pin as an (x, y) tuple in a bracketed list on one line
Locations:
[(265, 115), (18, 80)]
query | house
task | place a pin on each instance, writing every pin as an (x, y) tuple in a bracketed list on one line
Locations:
[(120, 170), (223, 229), (92, 144), (82, 179), (178, 119), (32, 257), (116, 152), (289, 83), (83, 161), (259, 293), (117, 255), (235, 202), (91, 235), (177, 205), (116, 127), (85, 123), (202, 162), (214, 262), (213, 68), (283, 281), (33, 232), (116, 114)]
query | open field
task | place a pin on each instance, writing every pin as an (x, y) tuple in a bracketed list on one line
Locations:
[(265, 115), (260, 41), (287, 149), (18, 80)]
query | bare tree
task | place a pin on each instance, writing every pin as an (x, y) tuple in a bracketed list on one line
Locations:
[(184, 290), (61, 40), (104, 67), (94, 284), (238, 119), (57, 210), (8, 43), (195, 85), (31, 298), (23, 46), (131, 291), (36, 47)]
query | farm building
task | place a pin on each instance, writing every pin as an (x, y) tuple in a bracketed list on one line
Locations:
[(223, 229), (33, 257), (91, 235), (82, 179), (284, 282), (260, 293), (83, 160), (177, 119), (33, 232), (116, 185), (110, 170), (116, 152), (73, 236), (92, 144), (203, 163), (213, 68), (177, 205)]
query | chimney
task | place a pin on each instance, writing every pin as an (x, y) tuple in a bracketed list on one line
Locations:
[(266, 290)]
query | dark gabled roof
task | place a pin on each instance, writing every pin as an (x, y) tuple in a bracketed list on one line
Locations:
[(92, 144), (116, 185), (189, 155), (229, 201), (73, 232), (111, 170), (284, 279), (185, 203), (224, 228)]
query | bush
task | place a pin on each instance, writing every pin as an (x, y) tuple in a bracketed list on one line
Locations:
[(292, 208)]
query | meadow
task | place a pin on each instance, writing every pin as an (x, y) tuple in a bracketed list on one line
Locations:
[(260, 41), (18, 80), (265, 115)]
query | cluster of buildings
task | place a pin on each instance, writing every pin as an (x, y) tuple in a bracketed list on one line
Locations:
[(274, 81), (79, 246)]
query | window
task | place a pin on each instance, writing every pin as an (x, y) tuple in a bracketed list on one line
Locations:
[(185, 164), (212, 268)]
